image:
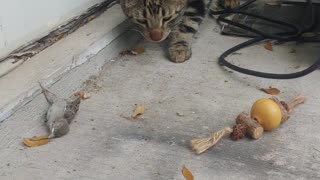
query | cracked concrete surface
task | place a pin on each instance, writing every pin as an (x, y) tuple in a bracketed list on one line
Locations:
[(103, 145)]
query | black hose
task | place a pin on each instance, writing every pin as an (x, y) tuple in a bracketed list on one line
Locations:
[(294, 34)]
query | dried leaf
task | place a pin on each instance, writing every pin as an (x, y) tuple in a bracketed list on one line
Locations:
[(268, 46), (271, 91), (140, 109), (187, 174), (39, 138), (83, 95), (36, 141), (137, 51)]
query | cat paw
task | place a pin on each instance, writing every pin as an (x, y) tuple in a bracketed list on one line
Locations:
[(231, 3), (179, 54)]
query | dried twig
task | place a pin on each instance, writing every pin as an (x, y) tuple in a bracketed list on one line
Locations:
[(295, 102)]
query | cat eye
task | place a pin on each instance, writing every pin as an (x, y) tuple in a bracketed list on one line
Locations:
[(167, 18)]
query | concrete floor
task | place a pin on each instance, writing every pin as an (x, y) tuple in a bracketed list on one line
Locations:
[(103, 145)]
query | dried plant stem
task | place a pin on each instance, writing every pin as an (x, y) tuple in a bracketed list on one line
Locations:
[(286, 108), (201, 145), (295, 102)]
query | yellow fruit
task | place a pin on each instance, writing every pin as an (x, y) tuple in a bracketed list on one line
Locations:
[(267, 113)]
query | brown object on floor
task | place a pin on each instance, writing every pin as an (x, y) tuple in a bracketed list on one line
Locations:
[(83, 95), (36, 141), (187, 174), (295, 102), (134, 51), (140, 109), (137, 51), (268, 46), (271, 91), (254, 129), (201, 145), (239, 132), (287, 108)]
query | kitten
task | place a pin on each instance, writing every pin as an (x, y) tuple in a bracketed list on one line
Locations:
[(177, 20)]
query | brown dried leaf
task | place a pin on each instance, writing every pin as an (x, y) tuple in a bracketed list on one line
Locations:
[(36, 141), (137, 51), (187, 174), (134, 51), (83, 95), (38, 138), (140, 109), (268, 46), (271, 91)]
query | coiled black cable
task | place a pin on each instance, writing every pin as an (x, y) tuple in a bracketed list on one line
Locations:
[(294, 34)]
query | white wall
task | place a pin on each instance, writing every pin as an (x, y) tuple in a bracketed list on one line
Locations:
[(24, 20)]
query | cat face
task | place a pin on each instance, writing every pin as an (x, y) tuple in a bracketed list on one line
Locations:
[(154, 18)]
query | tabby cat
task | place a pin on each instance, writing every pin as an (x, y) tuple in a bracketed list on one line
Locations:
[(178, 20)]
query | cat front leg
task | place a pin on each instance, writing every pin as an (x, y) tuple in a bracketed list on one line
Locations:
[(181, 38)]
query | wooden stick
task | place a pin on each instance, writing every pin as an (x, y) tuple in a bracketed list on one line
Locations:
[(254, 129), (201, 145)]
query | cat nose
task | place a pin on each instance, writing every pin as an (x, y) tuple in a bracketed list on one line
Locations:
[(156, 35)]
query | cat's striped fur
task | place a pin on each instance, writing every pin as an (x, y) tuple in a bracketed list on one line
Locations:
[(177, 19)]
